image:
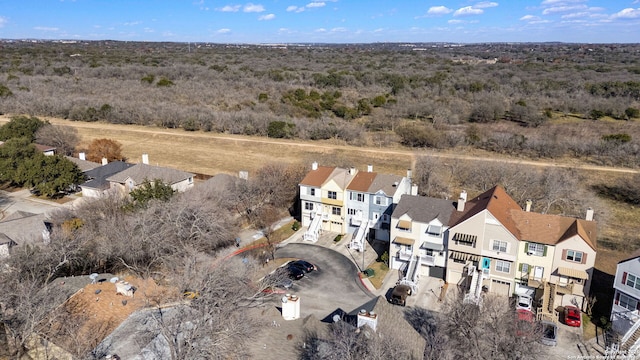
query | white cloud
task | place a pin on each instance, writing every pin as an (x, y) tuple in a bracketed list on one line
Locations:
[(529, 18), (628, 13), (2, 21), (148, 30), (253, 8), (321, 30), (294, 8), (230, 8), (485, 4), (267, 17), (439, 10), (338, 29), (554, 2), (44, 28), (133, 23), (453, 22), (468, 10), (316, 4), (563, 8), (223, 31)]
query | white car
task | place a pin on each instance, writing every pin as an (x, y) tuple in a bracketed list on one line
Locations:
[(524, 302)]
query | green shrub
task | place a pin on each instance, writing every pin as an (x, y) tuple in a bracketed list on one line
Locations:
[(281, 130), (337, 238), (295, 226), (4, 91), (617, 138), (164, 82), (262, 97), (148, 79), (385, 258)]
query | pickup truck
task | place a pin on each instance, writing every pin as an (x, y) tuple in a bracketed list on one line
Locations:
[(399, 295)]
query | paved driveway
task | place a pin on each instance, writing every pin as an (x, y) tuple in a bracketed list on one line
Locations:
[(334, 285)]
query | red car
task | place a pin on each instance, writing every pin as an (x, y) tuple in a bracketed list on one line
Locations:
[(525, 323), (572, 316)]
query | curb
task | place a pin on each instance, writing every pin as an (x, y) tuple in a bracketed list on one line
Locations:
[(365, 284)]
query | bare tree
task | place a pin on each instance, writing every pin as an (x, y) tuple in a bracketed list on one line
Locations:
[(63, 138)]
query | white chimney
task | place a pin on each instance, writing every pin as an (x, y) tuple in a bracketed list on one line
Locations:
[(368, 318), (589, 216), (352, 171), (243, 174), (145, 159), (409, 173), (369, 168), (314, 165), (290, 307), (414, 189), (462, 200), (105, 161), (82, 156), (527, 207)]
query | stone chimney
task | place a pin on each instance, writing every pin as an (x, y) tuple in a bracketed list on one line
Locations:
[(145, 159), (82, 156), (527, 207), (462, 200), (589, 216), (105, 161), (314, 165), (369, 168)]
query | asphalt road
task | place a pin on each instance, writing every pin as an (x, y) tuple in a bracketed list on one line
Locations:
[(334, 285)]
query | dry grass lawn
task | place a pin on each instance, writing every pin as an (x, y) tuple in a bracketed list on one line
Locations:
[(380, 271)]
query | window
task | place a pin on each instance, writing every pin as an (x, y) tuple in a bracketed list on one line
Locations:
[(633, 281), (351, 211), (386, 218), (336, 211), (503, 266), (525, 268), (360, 197), (627, 302), (428, 252), (500, 246), (308, 206), (381, 200), (312, 191), (535, 249), (434, 230), (332, 195), (573, 255)]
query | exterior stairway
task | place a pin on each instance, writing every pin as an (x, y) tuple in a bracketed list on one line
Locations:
[(547, 310)]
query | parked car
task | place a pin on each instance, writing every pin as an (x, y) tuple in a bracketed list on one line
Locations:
[(572, 316), (295, 273), (525, 323), (524, 302), (399, 295), (549, 333), (304, 265)]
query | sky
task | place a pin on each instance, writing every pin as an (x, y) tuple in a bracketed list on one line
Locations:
[(328, 21)]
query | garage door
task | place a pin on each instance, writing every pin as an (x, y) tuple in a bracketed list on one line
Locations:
[(500, 287)]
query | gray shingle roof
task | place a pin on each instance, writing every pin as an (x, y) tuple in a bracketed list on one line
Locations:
[(141, 172), (385, 182), (424, 209), (83, 165), (98, 176), (23, 227)]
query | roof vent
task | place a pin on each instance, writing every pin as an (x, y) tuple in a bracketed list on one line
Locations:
[(93, 278)]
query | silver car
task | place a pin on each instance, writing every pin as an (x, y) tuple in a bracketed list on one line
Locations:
[(549, 333)]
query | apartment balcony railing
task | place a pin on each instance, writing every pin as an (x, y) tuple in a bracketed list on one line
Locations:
[(404, 255), (428, 260)]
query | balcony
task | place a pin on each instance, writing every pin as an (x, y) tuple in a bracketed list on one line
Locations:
[(535, 282), (404, 255), (428, 260)]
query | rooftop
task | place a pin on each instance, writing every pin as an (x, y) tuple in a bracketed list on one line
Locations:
[(140, 173)]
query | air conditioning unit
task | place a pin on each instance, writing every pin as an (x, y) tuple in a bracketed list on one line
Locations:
[(530, 253)]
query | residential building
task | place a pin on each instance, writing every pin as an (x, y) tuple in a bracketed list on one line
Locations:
[(370, 200), (97, 184), (514, 250), (419, 228), (322, 196), (20, 228), (625, 310), (134, 176)]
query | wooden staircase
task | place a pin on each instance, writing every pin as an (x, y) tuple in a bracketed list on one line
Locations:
[(624, 348), (547, 310)]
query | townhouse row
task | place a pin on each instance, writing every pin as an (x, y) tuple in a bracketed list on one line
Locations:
[(486, 244)]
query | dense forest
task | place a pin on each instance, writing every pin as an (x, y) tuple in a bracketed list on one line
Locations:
[(548, 100)]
